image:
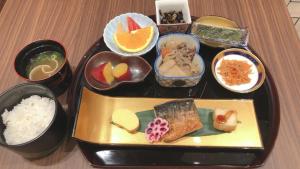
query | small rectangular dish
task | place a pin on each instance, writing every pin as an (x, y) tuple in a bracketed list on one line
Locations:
[(172, 16)]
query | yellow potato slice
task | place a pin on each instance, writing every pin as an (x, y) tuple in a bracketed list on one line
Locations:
[(126, 119)]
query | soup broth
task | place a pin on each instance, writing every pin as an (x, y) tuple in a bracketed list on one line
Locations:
[(44, 65)]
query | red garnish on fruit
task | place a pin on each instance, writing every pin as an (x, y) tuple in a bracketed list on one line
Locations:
[(156, 129), (132, 25), (221, 119)]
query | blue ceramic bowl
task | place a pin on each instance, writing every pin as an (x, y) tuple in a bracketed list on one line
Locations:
[(190, 39), (184, 81), (179, 81)]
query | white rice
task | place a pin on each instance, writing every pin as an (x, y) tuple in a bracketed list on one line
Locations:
[(28, 119)]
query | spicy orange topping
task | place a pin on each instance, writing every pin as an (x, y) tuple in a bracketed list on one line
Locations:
[(235, 72)]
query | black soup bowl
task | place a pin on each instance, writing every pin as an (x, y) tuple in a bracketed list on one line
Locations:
[(60, 80), (51, 137)]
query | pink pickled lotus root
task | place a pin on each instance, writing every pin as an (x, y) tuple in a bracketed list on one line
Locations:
[(156, 129)]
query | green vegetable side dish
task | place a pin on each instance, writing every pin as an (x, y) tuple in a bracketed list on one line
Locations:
[(51, 58), (227, 36), (147, 116)]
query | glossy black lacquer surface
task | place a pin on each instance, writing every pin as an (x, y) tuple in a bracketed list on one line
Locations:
[(266, 106)]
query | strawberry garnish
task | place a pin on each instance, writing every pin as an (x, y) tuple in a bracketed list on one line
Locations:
[(132, 25)]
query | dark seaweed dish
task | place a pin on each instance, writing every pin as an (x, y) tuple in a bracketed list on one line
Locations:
[(171, 17), (230, 36)]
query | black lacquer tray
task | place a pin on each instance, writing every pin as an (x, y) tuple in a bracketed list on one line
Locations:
[(266, 107)]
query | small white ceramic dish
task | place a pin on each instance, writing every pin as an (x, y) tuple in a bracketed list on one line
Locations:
[(173, 5)]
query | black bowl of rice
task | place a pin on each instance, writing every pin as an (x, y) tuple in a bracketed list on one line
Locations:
[(33, 122)]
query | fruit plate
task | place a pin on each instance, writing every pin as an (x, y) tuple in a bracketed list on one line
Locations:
[(265, 100)]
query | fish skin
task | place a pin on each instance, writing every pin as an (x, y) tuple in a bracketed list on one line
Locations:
[(182, 116)]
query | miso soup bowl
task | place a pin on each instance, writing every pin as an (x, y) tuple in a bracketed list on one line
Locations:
[(52, 136), (59, 81)]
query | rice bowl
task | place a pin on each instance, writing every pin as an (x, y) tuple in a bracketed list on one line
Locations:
[(28, 119), (45, 134)]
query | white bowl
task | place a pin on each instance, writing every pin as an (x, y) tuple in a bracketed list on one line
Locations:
[(110, 29)]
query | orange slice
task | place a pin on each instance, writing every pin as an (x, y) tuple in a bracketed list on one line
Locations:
[(120, 27), (134, 41)]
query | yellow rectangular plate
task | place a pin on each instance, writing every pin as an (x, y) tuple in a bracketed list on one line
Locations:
[(94, 122)]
